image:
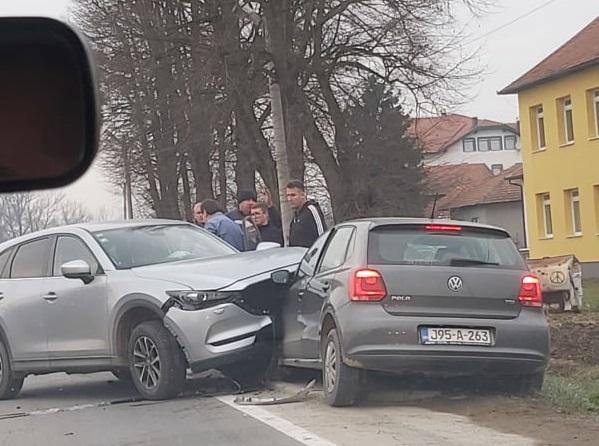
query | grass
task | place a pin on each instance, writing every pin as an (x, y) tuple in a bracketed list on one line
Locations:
[(576, 392), (591, 295), (577, 389)]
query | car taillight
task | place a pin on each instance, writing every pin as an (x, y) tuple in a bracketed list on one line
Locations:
[(530, 292), (367, 285), (443, 228)]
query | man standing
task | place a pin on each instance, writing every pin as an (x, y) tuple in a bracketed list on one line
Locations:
[(198, 215), (246, 199), (268, 231), (308, 220), (220, 225)]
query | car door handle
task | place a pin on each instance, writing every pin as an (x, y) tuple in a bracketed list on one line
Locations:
[(1, 296), (50, 297)]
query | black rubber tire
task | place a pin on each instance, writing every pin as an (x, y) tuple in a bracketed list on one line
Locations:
[(10, 385), (344, 389), (171, 362), (526, 385)]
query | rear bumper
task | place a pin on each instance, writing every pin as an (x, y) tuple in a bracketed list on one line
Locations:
[(216, 336), (375, 340)]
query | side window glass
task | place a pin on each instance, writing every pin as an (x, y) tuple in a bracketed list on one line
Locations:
[(336, 251), (308, 264), (69, 249), (3, 261), (31, 260)]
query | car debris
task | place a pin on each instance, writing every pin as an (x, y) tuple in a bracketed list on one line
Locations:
[(298, 397)]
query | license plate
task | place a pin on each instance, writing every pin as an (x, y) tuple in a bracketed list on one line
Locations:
[(456, 336)]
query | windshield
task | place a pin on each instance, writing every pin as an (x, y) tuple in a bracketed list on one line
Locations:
[(396, 245), (149, 245)]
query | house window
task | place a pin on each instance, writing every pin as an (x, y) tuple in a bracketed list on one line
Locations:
[(596, 111), (509, 142), (493, 143), (596, 195), (496, 169), (469, 145), (545, 220), (538, 119), (568, 123), (576, 223)]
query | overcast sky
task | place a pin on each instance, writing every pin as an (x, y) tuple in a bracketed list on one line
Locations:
[(505, 54)]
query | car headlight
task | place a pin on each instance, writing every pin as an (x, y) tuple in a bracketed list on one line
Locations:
[(196, 300)]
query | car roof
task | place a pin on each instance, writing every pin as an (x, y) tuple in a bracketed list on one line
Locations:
[(92, 227), (385, 221)]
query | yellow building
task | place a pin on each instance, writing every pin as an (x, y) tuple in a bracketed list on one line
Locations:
[(559, 117)]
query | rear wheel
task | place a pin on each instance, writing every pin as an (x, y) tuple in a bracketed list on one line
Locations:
[(156, 362), (340, 381), (10, 384)]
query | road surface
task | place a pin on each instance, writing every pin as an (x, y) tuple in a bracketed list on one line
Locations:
[(98, 410)]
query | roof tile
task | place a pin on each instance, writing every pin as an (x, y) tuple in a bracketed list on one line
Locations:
[(577, 53)]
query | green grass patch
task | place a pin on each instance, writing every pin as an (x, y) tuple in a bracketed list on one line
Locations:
[(591, 294), (575, 392)]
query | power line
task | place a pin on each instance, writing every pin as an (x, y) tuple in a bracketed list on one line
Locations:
[(511, 22)]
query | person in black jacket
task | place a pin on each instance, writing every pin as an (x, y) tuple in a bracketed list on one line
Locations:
[(308, 220), (268, 231)]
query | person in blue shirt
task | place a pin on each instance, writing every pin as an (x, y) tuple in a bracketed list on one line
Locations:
[(220, 225)]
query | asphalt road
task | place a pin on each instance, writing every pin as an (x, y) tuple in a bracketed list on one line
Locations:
[(98, 410)]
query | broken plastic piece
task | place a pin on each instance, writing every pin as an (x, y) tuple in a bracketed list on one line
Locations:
[(300, 396)]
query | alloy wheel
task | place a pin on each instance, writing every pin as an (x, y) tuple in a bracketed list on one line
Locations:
[(330, 366), (146, 362)]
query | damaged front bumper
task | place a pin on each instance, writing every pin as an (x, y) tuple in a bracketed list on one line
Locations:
[(216, 336)]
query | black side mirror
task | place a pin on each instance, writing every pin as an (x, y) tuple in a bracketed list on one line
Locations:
[(282, 277), (48, 104)]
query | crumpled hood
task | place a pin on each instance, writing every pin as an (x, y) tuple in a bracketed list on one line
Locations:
[(220, 272)]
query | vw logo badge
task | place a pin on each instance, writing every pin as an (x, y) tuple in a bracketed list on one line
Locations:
[(455, 283)]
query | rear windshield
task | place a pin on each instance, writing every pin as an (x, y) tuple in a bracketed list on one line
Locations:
[(400, 245)]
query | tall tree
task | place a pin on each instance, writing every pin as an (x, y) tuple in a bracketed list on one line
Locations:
[(384, 164)]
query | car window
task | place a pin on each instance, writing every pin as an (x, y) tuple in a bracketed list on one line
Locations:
[(308, 264), (31, 260), (72, 248), (336, 250), (131, 247), (398, 245), (4, 260)]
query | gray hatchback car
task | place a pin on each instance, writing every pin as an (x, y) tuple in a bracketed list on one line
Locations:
[(414, 296)]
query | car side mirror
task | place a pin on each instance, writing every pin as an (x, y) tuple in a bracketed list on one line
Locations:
[(282, 277), (267, 245), (49, 117), (77, 269)]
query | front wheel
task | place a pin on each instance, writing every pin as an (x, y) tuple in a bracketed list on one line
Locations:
[(156, 362), (340, 381), (10, 385)]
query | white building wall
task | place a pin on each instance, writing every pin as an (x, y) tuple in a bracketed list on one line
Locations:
[(455, 154)]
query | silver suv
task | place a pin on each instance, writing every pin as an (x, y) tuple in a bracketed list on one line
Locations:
[(146, 300)]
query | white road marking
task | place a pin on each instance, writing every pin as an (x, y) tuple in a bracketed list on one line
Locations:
[(286, 427)]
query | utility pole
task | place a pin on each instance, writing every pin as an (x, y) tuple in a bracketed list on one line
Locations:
[(278, 121)]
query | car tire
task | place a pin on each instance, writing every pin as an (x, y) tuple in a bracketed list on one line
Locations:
[(526, 385), (339, 381), (10, 385), (156, 362)]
